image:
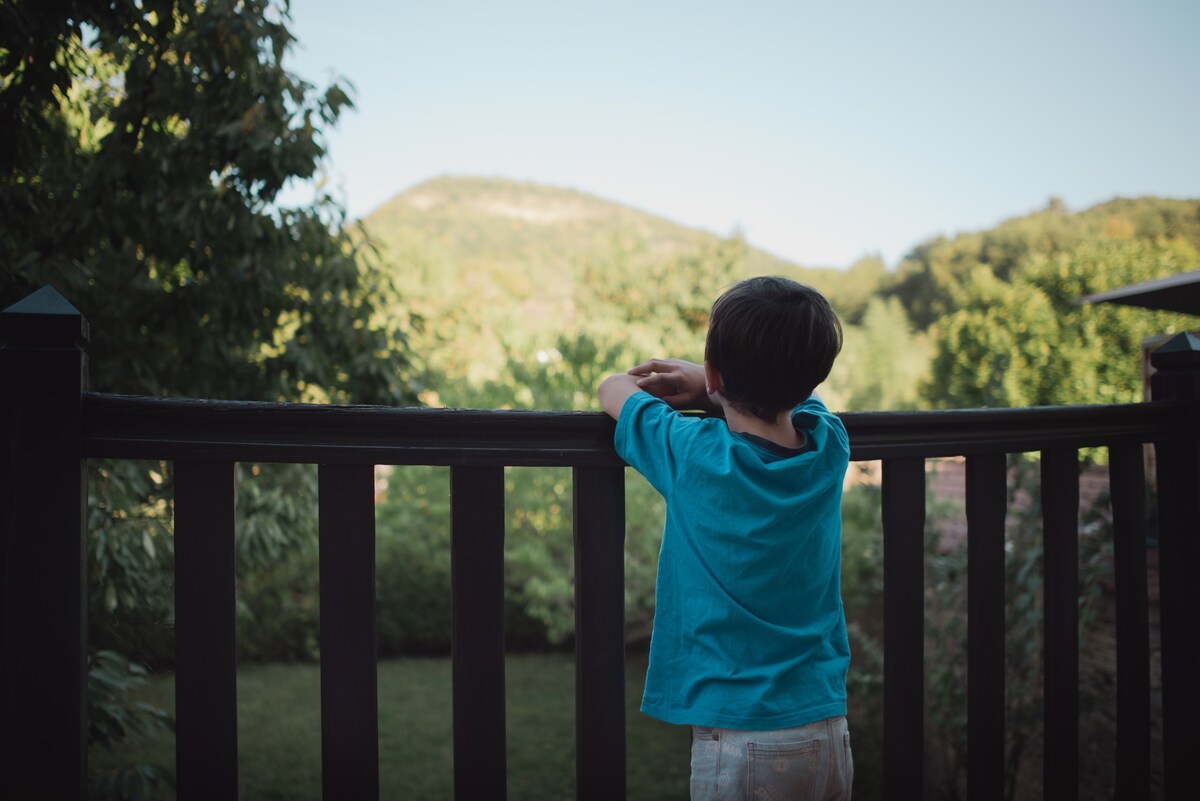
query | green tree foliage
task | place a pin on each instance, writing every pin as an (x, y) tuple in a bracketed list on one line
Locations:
[(851, 291), (931, 279), (997, 349), (1027, 341), (881, 363), (1000, 306), (145, 144), (1099, 344)]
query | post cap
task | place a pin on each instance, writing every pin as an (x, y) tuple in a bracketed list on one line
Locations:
[(44, 319), (1181, 350)]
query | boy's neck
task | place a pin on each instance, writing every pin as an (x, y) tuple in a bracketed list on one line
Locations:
[(780, 431)]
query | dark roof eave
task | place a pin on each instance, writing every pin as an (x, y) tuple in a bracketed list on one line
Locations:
[(1177, 293)]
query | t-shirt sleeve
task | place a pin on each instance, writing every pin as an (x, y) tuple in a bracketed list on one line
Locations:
[(652, 437)]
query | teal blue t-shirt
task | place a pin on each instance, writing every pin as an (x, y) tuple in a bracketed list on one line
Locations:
[(749, 631)]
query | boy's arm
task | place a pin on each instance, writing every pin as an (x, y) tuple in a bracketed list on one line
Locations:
[(614, 391), (680, 383)]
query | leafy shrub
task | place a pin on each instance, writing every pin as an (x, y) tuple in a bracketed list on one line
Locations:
[(412, 590), (113, 717), (278, 610)]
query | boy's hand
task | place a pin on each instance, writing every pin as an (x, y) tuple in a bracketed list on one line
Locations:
[(680, 383)]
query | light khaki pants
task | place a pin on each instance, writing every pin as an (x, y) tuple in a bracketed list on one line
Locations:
[(812, 761)]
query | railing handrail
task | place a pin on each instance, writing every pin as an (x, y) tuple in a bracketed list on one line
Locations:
[(137, 427), (52, 424)]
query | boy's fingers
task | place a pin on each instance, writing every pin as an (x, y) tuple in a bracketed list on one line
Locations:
[(645, 368), (655, 381)]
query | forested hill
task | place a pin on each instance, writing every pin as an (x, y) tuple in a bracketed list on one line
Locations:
[(501, 226), (528, 293), (529, 242)]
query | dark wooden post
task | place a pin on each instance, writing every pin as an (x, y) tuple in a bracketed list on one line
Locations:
[(1127, 481), (43, 653), (477, 632), (1177, 378), (1060, 543), (987, 499), (904, 628), (599, 515), (206, 764), (349, 675)]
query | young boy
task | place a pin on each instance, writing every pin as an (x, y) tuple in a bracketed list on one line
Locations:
[(749, 644)]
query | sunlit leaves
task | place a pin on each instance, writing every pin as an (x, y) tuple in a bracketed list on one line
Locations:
[(1029, 341), (881, 363), (143, 147), (145, 193)]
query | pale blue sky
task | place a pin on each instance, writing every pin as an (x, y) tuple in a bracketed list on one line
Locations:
[(822, 131)]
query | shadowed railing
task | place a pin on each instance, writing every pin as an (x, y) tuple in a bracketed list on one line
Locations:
[(52, 425)]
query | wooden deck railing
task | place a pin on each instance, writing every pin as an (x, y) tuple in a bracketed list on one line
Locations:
[(52, 425)]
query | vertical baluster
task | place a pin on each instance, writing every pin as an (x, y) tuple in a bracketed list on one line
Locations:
[(1128, 487), (1060, 535), (987, 499), (1177, 456), (477, 574), (349, 694), (205, 632), (904, 627), (599, 509)]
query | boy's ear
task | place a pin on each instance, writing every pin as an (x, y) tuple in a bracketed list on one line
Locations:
[(713, 383)]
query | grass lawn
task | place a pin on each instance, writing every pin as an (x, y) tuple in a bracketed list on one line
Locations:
[(279, 732)]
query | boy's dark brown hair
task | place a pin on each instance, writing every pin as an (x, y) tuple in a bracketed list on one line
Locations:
[(773, 340)]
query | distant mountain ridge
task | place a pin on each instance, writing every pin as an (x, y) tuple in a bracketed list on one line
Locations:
[(469, 221)]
